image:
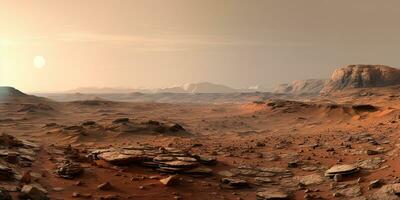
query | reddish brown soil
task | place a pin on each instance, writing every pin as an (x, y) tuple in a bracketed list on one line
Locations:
[(231, 131)]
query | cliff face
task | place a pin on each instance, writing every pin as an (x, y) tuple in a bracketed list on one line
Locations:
[(309, 86), (360, 76)]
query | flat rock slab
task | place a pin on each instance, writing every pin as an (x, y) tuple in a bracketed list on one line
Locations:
[(168, 160), (273, 194), (117, 157), (226, 173), (234, 183), (178, 164), (312, 179), (341, 169)]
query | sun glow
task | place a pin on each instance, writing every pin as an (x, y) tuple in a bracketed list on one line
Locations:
[(39, 62)]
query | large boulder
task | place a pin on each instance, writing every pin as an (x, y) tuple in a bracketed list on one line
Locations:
[(361, 76)]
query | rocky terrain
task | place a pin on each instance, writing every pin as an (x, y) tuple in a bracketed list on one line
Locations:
[(114, 150), (341, 145)]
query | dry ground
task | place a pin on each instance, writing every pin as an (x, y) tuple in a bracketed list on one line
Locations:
[(314, 135)]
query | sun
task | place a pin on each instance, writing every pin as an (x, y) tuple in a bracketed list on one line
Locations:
[(39, 62)]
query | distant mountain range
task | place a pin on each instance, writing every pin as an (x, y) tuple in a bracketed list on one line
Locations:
[(308, 86), (346, 77), (203, 87)]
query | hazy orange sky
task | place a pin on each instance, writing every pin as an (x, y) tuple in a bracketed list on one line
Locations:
[(159, 43)]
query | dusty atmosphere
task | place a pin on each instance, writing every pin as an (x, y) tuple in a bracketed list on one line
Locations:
[(199, 100)]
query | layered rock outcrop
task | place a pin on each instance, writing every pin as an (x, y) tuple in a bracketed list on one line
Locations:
[(362, 76)]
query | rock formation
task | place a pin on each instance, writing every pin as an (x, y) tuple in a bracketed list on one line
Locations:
[(309, 86), (361, 76)]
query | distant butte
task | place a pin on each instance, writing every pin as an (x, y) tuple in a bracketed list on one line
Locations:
[(362, 76), (346, 77)]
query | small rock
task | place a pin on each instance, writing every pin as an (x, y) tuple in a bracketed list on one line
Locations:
[(176, 128), (58, 189), (26, 178), (330, 150), (338, 178), (33, 193), (206, 160), (109, 197), (105, 186), (171, 180), (78, 183), (121, 120), (88, 123), (226, 173), (197, 145), (79, 195), (69, 170), (372, 152), (375, 183), (293, 164), (137, 178), (260, 144), (234, 183), (76, 194)]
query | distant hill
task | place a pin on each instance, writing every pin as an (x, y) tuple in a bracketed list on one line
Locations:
[(6, 91), (10, 94), (362, 76), (168, 97), (109, 90), (203, 87), (309, 86)]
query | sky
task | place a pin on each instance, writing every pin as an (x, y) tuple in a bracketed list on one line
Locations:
[(59, 45)]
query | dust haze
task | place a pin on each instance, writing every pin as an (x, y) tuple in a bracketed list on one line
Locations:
[(186, 99)]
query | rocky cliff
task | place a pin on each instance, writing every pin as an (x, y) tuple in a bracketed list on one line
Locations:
[(361, 76)]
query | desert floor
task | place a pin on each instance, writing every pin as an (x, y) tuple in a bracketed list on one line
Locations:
[(277, 146)]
